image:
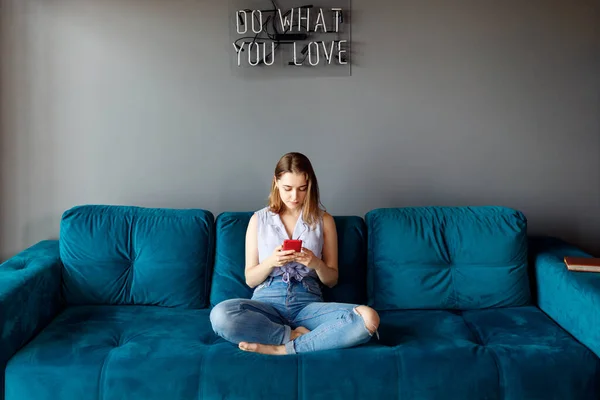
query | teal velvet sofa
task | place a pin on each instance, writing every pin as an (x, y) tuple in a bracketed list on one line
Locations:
[(471, 308)]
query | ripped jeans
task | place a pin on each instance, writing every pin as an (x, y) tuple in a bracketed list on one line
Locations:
[(276, 308)]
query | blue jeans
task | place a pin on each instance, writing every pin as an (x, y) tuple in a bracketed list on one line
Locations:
[(276, 308)]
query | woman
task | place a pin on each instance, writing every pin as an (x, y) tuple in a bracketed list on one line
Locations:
[(287, 314)]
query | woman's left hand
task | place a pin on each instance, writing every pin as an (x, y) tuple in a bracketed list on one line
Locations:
[(308, 258)]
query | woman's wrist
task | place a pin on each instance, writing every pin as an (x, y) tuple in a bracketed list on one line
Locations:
[(272, 264), (320, 265)]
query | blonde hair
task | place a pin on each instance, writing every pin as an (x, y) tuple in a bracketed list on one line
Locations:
[(298, 163)]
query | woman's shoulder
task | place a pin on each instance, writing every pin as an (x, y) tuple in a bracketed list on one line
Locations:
[(327, 220), (261, 211), (264, 214), (324, 215)]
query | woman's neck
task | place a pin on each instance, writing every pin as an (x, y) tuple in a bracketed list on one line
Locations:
[(292, 213)]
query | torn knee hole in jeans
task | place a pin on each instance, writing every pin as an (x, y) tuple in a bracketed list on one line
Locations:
[(370, 326)]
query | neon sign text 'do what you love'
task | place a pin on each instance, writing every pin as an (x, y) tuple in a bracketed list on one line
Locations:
[(263, 52)]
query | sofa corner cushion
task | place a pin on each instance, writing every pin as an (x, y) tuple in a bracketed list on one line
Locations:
[(447, 258), (125, 255), (228, 278), (513, 352), (140, 352), (536, 358)]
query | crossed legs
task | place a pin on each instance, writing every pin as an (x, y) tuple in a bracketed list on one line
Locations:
[(258, 327)]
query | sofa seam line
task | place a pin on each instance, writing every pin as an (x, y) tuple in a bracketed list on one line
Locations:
[(473, 331), (210, 260), (493, 354), (370, 263), (454, 291), (500, 376), (101, 376), (299, 381), (397, 358), (201, 395)]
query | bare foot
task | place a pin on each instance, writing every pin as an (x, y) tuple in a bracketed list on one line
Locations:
[(299, 331), (272, 349), (263, 348)]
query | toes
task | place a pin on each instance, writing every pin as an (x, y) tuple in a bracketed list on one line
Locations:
[(261, 348), (248, 346)]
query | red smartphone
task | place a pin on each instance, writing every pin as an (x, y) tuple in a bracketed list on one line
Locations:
[(292, 244)]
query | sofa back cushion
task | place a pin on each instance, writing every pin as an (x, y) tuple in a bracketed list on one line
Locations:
[(228, 280), (447, 258), (123, 255)]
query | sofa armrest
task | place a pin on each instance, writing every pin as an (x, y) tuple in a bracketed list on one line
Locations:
[(29, 296), (571, 299)]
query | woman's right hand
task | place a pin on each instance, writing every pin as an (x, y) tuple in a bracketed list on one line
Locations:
[(281, 257)]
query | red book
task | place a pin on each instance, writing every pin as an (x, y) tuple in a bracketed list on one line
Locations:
[(583, 264)]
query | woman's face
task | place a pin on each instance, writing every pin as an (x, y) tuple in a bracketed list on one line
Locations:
[(292, 189)]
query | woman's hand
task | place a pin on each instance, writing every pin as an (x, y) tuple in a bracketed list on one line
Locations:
[(308, 258), (281, 257)]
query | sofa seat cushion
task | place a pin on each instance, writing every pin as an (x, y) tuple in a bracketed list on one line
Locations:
[(144, 352), (503, 353), (113, 352)]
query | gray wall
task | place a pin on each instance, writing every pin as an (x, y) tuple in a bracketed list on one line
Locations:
[(133, 102)]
